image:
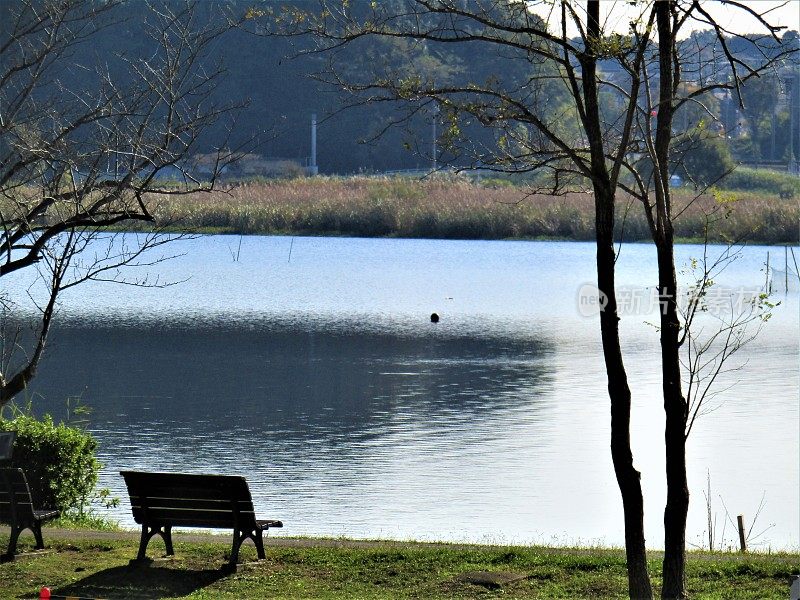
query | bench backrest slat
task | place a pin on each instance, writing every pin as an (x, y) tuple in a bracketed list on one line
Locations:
[(7, 445), (14, 492), (189, 500)]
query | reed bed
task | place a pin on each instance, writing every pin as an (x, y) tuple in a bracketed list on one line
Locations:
[(459, 209)]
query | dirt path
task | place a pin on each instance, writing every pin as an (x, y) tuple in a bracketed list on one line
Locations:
[(223, 537)]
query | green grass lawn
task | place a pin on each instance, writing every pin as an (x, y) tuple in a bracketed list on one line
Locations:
[(91, 566)]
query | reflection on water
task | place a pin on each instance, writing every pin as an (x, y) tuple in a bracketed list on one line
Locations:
[(322, 380), (311, 416)]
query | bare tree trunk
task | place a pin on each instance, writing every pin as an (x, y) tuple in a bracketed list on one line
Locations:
[(59, 196), (628, 478), (675, 406), (677, 506)]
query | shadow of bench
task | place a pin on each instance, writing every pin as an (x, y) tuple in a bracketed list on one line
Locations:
[(131, 583)]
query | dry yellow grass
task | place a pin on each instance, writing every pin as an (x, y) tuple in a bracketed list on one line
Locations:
[(455, 208)]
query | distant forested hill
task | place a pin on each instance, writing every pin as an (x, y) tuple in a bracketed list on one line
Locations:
[(282, 95)]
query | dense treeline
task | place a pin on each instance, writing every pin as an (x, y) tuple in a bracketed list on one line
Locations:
[(277, 76)]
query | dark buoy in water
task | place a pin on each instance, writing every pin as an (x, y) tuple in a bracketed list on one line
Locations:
[(434, 318)]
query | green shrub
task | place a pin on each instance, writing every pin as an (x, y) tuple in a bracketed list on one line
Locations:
[(701, 157), (59, 462)]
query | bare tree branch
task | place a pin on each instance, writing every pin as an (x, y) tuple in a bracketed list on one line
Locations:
[(75, 163)]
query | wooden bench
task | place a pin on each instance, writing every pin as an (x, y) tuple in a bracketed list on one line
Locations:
[(161, 501), (16, 509)]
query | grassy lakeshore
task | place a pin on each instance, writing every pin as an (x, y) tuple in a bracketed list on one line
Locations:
[(458, 209), (95, 564)]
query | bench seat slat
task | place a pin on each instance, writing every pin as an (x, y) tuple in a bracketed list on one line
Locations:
[(164, 520), (192, 503), (5, 505), (186, 492), (269, 523), (19, 497), (189, 518), (41, 515), (18, 486), (162, 514)]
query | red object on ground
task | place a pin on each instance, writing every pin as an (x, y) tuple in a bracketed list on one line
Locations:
[(45, 593), (653, 113)]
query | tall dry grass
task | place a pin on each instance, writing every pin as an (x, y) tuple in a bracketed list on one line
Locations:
[(456, 208)]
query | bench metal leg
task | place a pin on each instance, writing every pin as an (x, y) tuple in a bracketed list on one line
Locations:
[(147, 534), (37, 533), (143, 541), (259, 541), (167, 537), (239, 536), (12, 544)]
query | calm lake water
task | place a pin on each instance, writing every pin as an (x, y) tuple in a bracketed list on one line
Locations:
[(310, 366)]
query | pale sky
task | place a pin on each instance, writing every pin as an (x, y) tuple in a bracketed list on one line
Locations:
[(618, 14)]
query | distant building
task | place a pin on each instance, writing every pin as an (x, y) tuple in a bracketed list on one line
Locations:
[(245, 166)]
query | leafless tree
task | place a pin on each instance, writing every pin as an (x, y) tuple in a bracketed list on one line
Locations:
[(717, 322), (78, 165), (621, 150)]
